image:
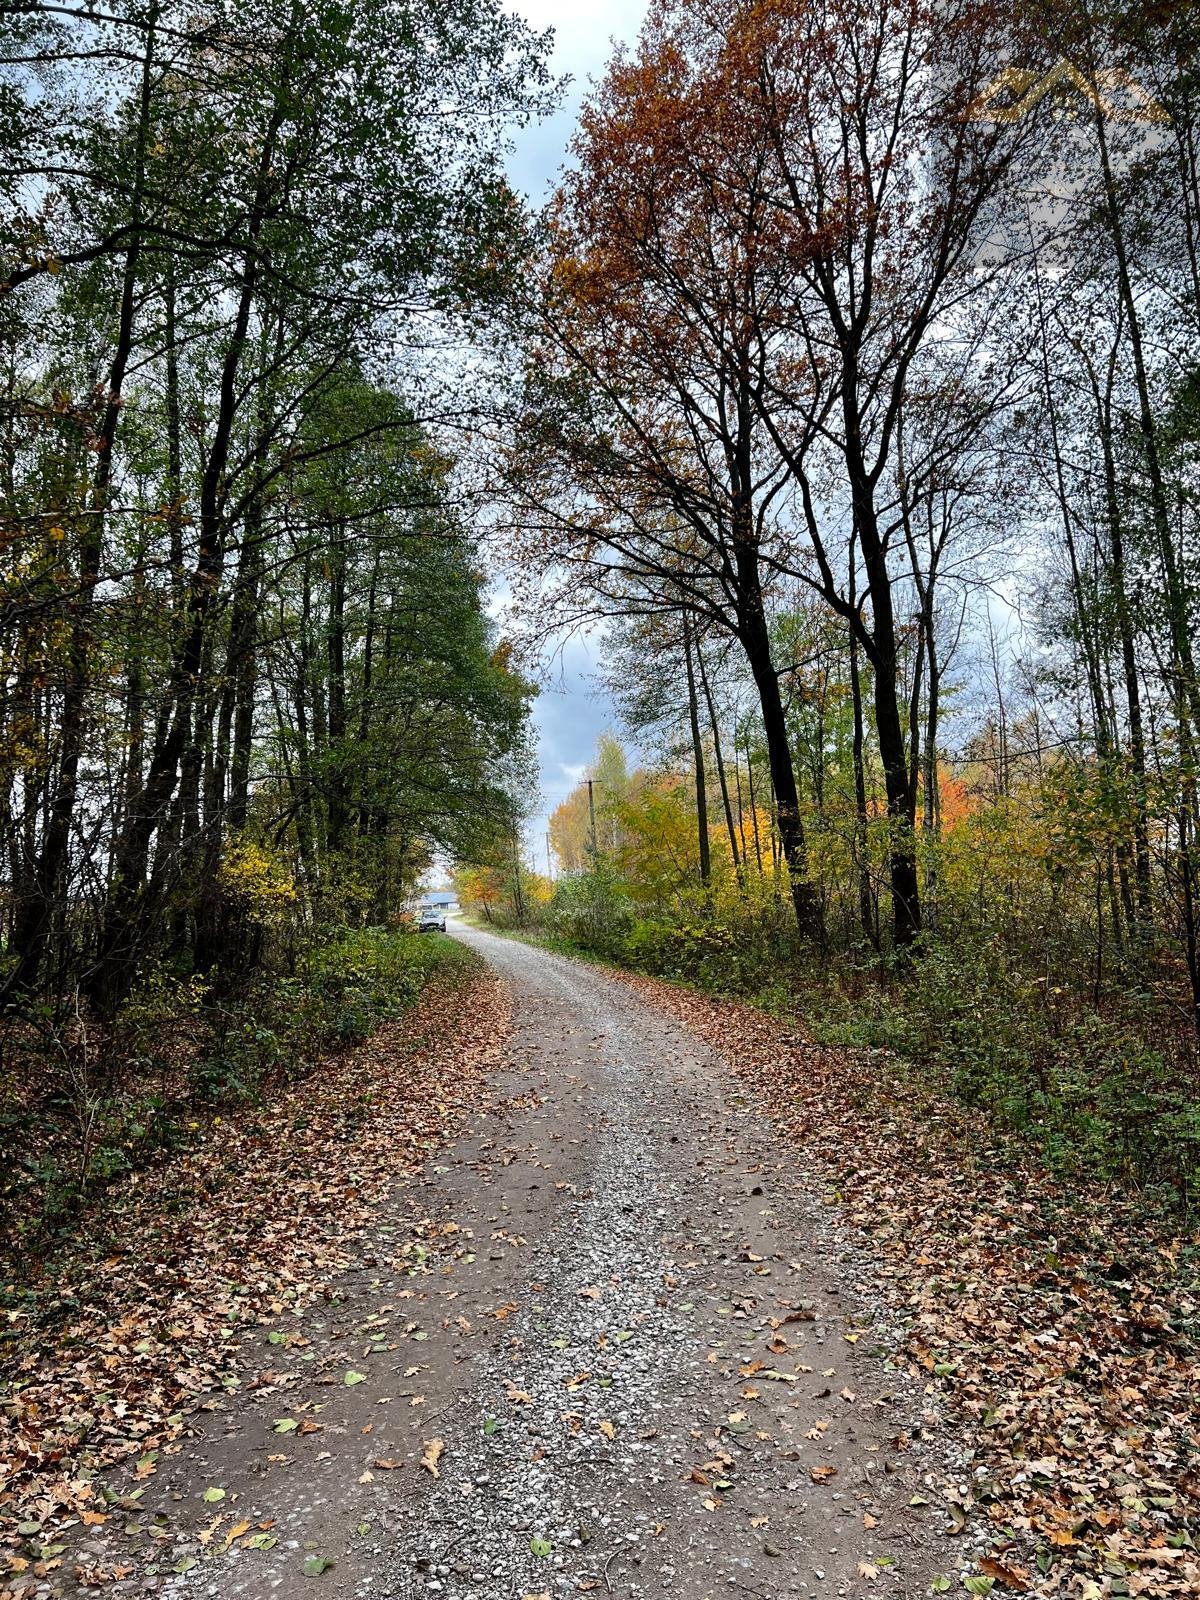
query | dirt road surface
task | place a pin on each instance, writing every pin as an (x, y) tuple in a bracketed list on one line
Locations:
[(634, 1357)]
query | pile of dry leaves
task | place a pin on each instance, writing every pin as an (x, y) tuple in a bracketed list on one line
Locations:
[(255, 1219), (1064, 1328)]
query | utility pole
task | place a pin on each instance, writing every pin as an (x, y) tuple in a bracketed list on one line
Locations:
[(549, 866)]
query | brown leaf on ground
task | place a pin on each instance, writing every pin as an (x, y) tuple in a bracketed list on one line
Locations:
[(1011, 1577), (254, 1214)]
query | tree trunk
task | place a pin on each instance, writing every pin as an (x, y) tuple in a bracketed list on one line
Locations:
[(793, 844), (753, 807), (866, 898), (1129, 666), (336, 807), (1175, 590), (131, 852), (698, 760), (881, 645)]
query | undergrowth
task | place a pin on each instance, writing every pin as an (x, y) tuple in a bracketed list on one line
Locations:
[(86, 1107)]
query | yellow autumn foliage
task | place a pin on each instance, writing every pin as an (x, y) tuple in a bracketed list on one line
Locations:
[(257, 882)]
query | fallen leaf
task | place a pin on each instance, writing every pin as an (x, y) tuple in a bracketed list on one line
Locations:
[(1011, 1577)]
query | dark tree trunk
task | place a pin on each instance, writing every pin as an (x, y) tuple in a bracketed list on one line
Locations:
[(131, 852), (337, 812), (793, 844), (753, 806), (889, 731), (698, 761), (866, 898)]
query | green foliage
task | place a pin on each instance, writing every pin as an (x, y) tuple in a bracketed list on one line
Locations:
[(730, 948), (1086, 1086), (363, 977), (592, 909), (295, 696)]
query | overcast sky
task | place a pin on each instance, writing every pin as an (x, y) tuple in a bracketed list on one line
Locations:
[(571, 710)]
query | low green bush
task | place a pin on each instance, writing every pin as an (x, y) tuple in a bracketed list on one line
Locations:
[(362, 977)]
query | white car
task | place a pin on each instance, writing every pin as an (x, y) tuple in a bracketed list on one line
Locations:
[(431, 918)]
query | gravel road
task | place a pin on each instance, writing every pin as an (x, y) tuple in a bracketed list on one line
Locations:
[(633, 1349)]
